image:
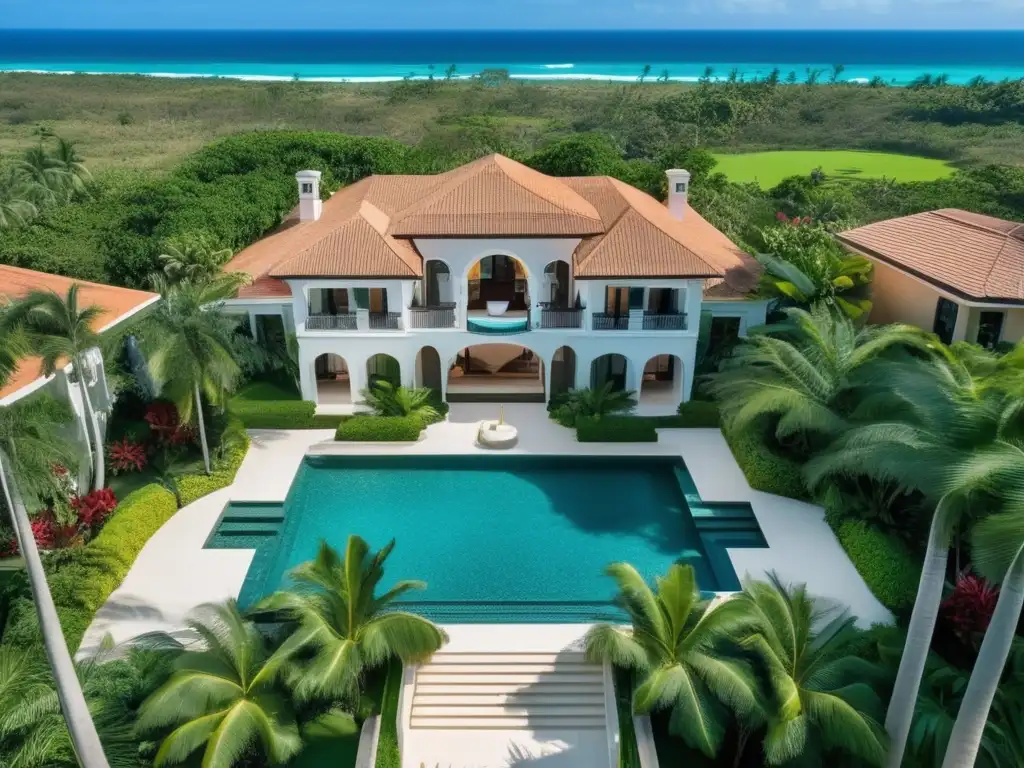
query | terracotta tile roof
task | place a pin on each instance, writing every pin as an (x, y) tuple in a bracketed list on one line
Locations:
[(498, 197), (366, 229), (117, 303), (265, 288), (975, 256)]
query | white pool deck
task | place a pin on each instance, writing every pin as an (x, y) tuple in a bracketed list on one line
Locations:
[(174, 574)]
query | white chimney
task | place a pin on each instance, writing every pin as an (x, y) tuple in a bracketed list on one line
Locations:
[(678, 188), (310, 204)]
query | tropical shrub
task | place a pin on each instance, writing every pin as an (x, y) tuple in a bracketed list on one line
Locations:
[(380, 428), (126, 456), (615, 429), (385, 399), (805, 267), (969, 607), (592, 404), (94, 507)]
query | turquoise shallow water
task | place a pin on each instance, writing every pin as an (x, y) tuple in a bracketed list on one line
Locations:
[(495, 538)]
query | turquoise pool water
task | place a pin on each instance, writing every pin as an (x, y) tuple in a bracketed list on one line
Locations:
[(504, 538), (496, 325)]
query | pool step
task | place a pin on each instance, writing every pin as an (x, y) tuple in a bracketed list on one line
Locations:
[(501, 691), (248, 528)]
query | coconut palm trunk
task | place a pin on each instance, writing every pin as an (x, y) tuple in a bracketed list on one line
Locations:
[(202, 429), (965, 738), (92, 430), (84, 738), (900, 714)]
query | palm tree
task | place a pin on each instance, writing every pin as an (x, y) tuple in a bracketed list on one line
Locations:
[(32, 443), (48, 177), (188, 344), (600, 402), (645, 72), (193, 258), (59, 330), (956, 442), (341, 628), (67, 159), (388, 400), (450, 71), (224, 699), (27, 441), (998, 553), (16, 206), (664, 76), (800, 371), (673, 646), (837, 71), (820, 700)]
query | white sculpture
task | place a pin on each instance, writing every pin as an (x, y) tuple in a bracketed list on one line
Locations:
[(497, 434)]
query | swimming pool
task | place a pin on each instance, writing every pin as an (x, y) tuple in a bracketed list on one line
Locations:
[(496, 538)]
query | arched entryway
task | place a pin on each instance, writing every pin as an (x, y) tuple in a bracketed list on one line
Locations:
[(332, 380), (555, 293), (661, 386), (382, 367), (438, 287), (497, 280), (563, 371), (496, 373), (428, 369), (610, 367)]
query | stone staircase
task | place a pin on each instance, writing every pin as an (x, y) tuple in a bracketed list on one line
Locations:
[(506, 691)]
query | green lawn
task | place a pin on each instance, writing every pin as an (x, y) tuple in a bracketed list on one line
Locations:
[(769, 168)]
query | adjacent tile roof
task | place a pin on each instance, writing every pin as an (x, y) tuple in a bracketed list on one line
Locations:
[(367, 229), (117, 303), (974, 256)]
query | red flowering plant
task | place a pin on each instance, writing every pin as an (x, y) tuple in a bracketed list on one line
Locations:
[(968, 608), (126, 456), (94, 507), (50, 533), (8, 543), (165, 424)]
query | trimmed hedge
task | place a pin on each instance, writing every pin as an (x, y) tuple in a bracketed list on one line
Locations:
[(380, 428), (193, 487), (615, 429), (890, 570), (387, 744), (280, 414), (699, 413), (85, 578), (764, 469)]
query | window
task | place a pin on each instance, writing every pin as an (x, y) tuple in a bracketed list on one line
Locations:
[(680, 187), (945, 319), (307, 188), (990, 328)]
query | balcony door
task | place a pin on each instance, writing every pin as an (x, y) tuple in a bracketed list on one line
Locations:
[(618, 301)]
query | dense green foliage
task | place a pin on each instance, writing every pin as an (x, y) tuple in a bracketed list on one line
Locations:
[(380, 428), (699, 413), (883, 561), (232, 452), (594, 404), (615, 429), (81, 580), (387, 744), (764, 468)]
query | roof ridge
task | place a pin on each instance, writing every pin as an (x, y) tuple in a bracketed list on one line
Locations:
[(944, 213), (558, 179)]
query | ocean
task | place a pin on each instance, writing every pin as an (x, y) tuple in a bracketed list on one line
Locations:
[(374, 56)]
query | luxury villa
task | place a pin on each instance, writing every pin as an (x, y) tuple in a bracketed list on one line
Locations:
[(496, 282)]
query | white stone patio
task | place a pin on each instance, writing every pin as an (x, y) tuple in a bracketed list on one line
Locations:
[(174, 574)]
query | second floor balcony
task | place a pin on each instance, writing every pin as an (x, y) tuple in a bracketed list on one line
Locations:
[(639, 321)]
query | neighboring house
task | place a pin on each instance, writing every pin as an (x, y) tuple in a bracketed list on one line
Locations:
[(119, 304), (957, 273), (494, 282)]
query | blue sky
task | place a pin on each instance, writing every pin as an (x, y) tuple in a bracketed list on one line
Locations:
[(559, 14)]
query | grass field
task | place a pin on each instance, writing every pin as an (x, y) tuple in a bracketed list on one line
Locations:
[(769, 168), (126, 122)]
